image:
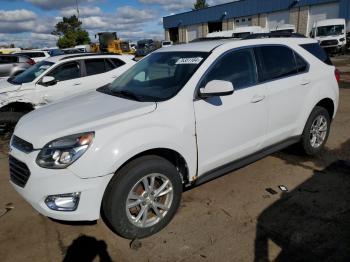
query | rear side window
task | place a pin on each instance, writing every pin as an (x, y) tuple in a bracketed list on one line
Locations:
[(237, 67), (95, 66), (317, 51), (8, 59), (302, 66), (113, 63), (276, 62), (117, 62)]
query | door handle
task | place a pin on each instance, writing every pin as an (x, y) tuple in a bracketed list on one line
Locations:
[(257, 98), (305, 82), (77, 84)]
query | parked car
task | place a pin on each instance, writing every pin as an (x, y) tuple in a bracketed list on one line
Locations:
[(36, 55), (12, 65), (237, 33), (54, 51), (331, 34), (167, 43), (283, 28), (56, 78), (181, 116)]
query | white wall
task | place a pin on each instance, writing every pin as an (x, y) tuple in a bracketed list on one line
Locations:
[(277, 18), (322, 12), (243, 21), (192, 32)]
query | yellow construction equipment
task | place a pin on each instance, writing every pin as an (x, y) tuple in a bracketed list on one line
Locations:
[(110, 43)]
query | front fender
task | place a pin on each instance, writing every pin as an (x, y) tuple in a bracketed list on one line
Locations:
[(106, 156), (9, 98)]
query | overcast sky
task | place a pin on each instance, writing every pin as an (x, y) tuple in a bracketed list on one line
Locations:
[(30, 22)]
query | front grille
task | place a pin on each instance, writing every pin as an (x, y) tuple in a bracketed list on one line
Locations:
[(19, 172), (21, 144), (329, 42)]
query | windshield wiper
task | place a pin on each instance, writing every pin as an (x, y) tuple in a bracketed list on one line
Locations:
[(126, 94)]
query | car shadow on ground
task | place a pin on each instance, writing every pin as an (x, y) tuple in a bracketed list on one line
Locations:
[(87, 249), (310, 223)]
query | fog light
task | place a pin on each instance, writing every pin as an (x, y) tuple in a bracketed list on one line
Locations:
[(64, 202)]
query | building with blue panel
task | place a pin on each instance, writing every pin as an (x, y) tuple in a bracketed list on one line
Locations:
[(185, 27)]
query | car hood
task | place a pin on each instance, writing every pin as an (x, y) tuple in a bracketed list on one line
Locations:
[(6, 86), (78, 114)]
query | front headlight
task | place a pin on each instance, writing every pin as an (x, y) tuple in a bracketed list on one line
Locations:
[(62, 152)]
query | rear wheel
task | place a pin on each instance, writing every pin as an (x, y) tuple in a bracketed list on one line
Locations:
[(143, 197), (316, 131)]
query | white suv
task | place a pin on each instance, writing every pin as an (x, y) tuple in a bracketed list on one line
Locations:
[(56, 78), (181, 116)]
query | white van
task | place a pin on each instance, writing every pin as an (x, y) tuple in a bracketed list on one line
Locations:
[(331, 34)]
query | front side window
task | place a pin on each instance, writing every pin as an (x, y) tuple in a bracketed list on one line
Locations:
[(67, 71), (276, 62), (158, 77), (32, 73), (330, 30), (237, 67)]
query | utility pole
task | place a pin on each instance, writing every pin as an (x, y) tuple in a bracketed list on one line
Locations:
[(76, 1)]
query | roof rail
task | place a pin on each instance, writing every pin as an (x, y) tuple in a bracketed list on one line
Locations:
[(274, 35), (210, 39), (68, 56)]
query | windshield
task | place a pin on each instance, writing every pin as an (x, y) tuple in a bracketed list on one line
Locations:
[(158, 77), (330, 30), (31, 73)]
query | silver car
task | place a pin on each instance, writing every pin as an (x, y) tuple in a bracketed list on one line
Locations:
[(12, 65)]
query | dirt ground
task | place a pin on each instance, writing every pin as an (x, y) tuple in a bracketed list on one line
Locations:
[(232, 218)]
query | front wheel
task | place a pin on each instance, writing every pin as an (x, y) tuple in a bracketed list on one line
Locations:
[(316, 131), (8, 121), (143, 197)]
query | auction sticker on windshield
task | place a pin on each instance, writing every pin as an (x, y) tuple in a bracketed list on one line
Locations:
[(189, 60)]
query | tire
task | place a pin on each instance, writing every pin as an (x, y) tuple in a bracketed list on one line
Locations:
[(123, 219), (8, 121), (312, 141)]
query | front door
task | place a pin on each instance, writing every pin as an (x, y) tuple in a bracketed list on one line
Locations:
[(68, 77), (231, 127)]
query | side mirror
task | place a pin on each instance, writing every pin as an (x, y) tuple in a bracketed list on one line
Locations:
[(48, 81), (216, 88)]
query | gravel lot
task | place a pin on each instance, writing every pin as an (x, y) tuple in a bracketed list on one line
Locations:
[(232, 218)]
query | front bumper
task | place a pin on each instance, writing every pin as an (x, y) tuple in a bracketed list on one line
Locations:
[(332, 49), (45, 182)]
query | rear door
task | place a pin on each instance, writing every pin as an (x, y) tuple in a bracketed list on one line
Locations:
[(284, 74), (99, 72), (231, 127)]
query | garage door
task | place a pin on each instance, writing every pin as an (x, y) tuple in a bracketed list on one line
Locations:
[(277, 18), (192, 33), (322, 12)]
